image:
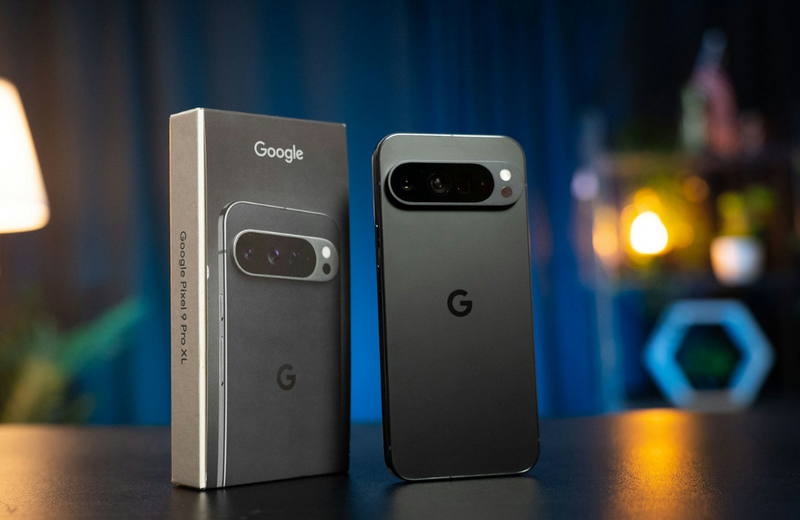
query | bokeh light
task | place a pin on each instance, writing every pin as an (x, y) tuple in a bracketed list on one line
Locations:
[(605, 238), (648, 234), (695, 189)]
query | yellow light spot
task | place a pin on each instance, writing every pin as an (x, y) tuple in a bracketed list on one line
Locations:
[(646, 199), (683, 235), (648, 234), (730, 204), (604, 239)]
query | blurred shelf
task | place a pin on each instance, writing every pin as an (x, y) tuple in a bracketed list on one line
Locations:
[(641, 163), (706, 283)]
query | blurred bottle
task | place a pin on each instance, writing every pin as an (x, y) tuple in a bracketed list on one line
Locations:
[(710, 113)]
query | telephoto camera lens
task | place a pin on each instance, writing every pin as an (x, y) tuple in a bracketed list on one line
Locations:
[(439, 183), (274, 256)]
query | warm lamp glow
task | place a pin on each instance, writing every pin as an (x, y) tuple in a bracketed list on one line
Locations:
[(682, 235), (604, 239), (648, 234), (604, 233), (23, 200)]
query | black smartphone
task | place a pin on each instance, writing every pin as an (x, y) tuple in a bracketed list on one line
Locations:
[(456, 317), (284, 399)]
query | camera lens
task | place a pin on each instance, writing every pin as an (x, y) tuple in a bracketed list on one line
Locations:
[(407, 183), (274, 256), (295, 257), (439, 183), (248, 253)]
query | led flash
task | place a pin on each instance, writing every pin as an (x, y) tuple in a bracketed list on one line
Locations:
[(326, 252), (505, 175)]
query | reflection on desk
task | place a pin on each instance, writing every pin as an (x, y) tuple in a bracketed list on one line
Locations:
[(324, 497), (512, 497)]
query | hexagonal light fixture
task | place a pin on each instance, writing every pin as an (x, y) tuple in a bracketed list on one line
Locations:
[(660, 354)]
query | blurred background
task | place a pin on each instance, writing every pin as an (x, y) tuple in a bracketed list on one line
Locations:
[(662, 142)]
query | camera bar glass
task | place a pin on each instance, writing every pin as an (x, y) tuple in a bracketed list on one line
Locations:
[(441, 183), (275, 255)]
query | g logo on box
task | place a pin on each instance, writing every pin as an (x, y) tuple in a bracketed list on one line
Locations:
[(287, 154), (466, 305), (286, 380)]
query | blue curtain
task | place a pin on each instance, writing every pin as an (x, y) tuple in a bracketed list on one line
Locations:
[(99, 80)]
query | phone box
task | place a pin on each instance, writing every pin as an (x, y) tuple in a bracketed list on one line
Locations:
[(260, 298)]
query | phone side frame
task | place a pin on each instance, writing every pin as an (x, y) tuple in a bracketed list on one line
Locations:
[(376, 207), (223, 347), (222, 449)]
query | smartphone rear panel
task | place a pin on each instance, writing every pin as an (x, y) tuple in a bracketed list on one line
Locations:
[(456, 326)]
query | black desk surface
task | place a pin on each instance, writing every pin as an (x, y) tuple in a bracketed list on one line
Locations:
[(652, 463)]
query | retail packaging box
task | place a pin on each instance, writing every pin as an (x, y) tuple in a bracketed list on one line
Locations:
[(260, 300)]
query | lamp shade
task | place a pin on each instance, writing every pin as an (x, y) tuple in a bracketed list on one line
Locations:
[(23, 200)]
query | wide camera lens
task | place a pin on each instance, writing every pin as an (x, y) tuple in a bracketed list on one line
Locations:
[(274, 256), (407, 183), (439, 183), (248, 253)]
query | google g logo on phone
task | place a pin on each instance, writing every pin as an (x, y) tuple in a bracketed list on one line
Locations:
[(286, 379), (466, 305)]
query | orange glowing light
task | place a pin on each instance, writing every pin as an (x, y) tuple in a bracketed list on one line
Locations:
[(605, 239), (23, 200), (646, 199), (682, 235), (695, 189)]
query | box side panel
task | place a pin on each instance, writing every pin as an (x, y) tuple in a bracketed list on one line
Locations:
[(188, 298), (344, 226)]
